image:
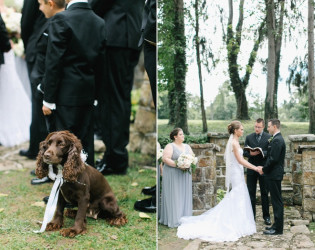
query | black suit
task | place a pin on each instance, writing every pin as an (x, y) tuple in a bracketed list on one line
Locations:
[(253, 176), (4, 40), (148, 37), (74, 70), (274, 170), (32, 23), (123, 30)]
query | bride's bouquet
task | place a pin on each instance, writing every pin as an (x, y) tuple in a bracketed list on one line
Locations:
[(186, 162)]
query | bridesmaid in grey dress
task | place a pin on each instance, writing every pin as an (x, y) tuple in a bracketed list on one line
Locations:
[(176, 200)]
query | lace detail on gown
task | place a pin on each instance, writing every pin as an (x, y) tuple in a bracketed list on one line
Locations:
[(231, 219), (15, 105)]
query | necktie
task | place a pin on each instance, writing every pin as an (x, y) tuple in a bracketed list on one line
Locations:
[(258, 137)]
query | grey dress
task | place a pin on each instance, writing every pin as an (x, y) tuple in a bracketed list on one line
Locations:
[(176, 200)]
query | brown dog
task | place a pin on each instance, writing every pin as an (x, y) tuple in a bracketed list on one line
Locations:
[(83, 185)]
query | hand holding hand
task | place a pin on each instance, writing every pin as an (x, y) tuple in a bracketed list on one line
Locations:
[(46, 111), (260, 171), (254, 153)]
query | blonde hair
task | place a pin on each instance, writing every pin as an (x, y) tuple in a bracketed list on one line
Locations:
[(233, 126)]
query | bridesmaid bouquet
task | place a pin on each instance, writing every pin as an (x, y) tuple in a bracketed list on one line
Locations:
[(186, 162), (159, 156)]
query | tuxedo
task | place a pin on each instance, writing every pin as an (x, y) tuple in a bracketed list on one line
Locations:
[(4, 40), (148, 38), (32, 22), (252, 176), (123, 30), (74, 70), (274, 170)]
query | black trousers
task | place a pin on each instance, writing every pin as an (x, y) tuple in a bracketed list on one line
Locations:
[(79, 121), (150, 66), (116, 107), (38, 130), (277, 204), (252, 187)]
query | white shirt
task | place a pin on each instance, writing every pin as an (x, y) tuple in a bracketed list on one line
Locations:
[(76, 1)]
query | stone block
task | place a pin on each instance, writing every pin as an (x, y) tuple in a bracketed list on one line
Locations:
[(298, 157), (299, 222), (297, 177), (301, 229), (197, 203), (220, 160), (309, 178), (204, 188), (206, 162), (293, 166), (146, 95), (145, 121), (309, 192), (308, 205), (210, 173), (302, 241), (308, 160), (197, 175), (148, 145), (135, 140), (302, 138), (220, 181)]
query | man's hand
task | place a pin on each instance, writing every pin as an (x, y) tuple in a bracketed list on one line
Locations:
[(260, 171), (46, 111)]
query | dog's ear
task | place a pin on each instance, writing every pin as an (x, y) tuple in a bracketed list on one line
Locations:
[(41, 167), (73, 165)]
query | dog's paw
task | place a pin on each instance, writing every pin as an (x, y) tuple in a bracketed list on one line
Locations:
[(53, 226), (71, 213), (119, 221), (71, 232)]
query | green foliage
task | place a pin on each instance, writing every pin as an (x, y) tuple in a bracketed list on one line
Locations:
[(135, 98), (298, 75), (189, 139), (220, 195)]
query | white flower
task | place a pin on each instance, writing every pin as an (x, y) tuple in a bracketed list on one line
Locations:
[(185, 161), (159, 154), (12, 20), (18, 48)]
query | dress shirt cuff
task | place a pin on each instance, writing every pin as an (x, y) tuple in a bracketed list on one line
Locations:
[(51, 106), (95, 103)]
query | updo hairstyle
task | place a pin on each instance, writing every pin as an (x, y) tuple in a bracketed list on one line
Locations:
[(233, 126), (175, 133)]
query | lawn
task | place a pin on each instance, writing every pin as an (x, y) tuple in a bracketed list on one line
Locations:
[(18, 218)]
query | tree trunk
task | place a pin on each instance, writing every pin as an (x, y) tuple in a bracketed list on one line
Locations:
[(197, 44), (311, 80), (180, 67), (270, 100), (171, 103)]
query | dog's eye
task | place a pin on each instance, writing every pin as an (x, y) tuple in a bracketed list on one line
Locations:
[(61, 143)]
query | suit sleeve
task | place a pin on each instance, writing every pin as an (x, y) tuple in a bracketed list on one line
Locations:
[(273, 157), (246, 152), (100, 7), (30, 13), (58, 34), (4, 39)]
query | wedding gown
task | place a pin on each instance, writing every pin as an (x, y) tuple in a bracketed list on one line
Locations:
[(231, 219), (15, 104)]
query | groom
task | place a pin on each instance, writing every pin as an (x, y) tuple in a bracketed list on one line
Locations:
[(274, 170)]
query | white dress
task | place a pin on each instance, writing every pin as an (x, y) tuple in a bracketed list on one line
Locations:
[(15, 104), (231, 219)]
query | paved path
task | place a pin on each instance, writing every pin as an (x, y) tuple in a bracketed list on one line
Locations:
[(296, 236)]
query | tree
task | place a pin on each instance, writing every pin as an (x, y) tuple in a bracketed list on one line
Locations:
[(233, 43), (274, 34), (198, 11), (311, 79), (179, 66)]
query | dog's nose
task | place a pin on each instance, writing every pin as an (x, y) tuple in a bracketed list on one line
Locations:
[(47, 154)]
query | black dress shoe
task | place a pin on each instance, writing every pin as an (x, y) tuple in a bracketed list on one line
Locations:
[(68, 205), (149, 190), (268, 228), (33, 172), (37, 181), (147, 205), (272, 232), (267, 221), (26, 153)]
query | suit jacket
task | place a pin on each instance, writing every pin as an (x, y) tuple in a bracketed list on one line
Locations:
[(75, 57), (122, 20), (4, 40), (251, 141), (148, 27), (31, 22), (274, 167)]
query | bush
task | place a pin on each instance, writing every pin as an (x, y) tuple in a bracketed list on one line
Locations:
[(189, 139)]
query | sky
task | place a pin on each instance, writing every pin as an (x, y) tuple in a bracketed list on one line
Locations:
[(258, 79)]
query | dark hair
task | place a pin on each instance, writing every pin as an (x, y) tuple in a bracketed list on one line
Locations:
[(175, 133), (259, 120), (275, 122), (233, 126)]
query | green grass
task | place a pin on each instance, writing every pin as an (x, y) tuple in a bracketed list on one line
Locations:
[(195, 127), (18, 219)]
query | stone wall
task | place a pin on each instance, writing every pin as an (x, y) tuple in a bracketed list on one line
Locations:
[(204, 177)]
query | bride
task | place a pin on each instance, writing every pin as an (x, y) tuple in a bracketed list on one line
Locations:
[(15, 105), (233, 217)]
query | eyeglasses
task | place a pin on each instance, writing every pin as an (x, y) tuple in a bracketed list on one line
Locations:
[(258, 127)]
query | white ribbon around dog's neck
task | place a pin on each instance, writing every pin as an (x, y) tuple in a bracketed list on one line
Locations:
[(53, 197)]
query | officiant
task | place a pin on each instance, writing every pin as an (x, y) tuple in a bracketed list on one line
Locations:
[(258, 139)]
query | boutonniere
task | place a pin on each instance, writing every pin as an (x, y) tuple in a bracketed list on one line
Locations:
[(270, 139)]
